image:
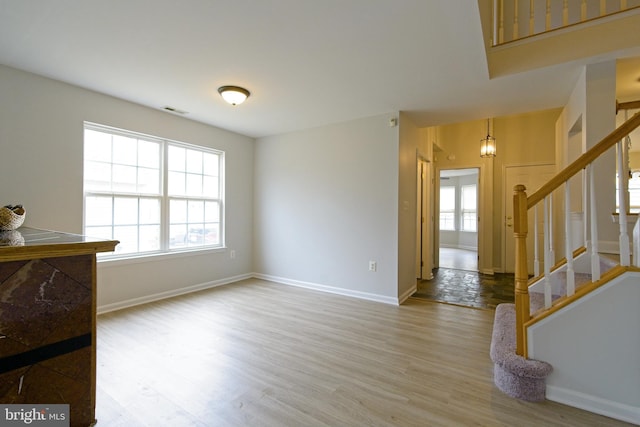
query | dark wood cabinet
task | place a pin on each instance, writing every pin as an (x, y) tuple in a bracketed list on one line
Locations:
[(48, 320)]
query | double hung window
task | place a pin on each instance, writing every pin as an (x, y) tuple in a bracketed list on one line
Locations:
[(153, 195)]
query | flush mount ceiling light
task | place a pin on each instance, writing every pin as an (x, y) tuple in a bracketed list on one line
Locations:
[(234, 95), (488, 145)]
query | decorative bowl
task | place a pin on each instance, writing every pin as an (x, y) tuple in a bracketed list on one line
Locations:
[(11, 217)]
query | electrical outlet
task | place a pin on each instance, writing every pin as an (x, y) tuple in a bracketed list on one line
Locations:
[(232, 254), (373, 266)]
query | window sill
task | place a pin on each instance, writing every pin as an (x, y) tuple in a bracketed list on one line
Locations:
[(157, 256)]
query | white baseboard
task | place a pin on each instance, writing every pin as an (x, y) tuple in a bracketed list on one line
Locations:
[(330, 289), (168, 294), (464, 247), (308, 285), (597, 405), (609, 247)]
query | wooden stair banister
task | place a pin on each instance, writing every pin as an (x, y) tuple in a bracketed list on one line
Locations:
[(521, 276), (522, 203), (584, 160), (631, 105)]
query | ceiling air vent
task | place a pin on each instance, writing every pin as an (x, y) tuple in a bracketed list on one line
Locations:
[(174, 110)]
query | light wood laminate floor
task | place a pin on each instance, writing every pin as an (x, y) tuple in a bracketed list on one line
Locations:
[(461, 259), (262, 354)]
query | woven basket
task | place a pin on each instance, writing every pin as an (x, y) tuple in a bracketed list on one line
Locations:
[(11, 219)]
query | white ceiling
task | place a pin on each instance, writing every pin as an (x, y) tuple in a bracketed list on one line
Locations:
[(306, 62)]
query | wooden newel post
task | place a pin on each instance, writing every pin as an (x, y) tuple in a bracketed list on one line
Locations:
[(520, 228)]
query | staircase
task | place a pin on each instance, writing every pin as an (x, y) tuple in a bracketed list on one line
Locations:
[(572, 334)]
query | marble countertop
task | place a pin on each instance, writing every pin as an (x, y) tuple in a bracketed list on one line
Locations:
[(29, 243)]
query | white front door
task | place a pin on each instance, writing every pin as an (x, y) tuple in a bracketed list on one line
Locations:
[(532, 177)]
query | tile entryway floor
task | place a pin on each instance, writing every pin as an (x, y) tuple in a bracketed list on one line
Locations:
[(467, 288)]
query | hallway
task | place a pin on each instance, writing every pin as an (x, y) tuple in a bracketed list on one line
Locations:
[(458, 282)]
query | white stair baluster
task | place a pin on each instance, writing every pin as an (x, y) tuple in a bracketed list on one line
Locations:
[(593, 220), (623, 192), (552, 251), (536, 250), (571, 278), (547, 256)]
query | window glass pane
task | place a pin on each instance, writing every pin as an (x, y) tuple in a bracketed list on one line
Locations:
[(447, 198), (177, 182), (97, 176), (125, 210), (97, 146), (149, 238), (210, 186), (211, 166), (447, 207), (148, 181), (177, 158), (98, 211), (196, 212), (194, 161), (178, 211), (150, 211), (149, 154), (128, 237), (124, 178), (469, 221), (447, 221), (196, 235), (212, 234), (194, 185), (125, 150), (469, 202), (468, 197), (178, 236), (212, 212), (99, 232)]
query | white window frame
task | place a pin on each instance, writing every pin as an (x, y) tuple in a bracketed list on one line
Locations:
[(163, 196)]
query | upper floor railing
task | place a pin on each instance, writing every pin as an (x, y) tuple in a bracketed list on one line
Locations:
[(518, 19)]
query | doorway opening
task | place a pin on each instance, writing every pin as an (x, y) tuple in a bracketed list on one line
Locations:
[(457, 278), (458, 219)]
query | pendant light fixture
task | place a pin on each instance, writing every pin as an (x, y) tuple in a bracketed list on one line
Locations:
[(488, 145), (234, 95)]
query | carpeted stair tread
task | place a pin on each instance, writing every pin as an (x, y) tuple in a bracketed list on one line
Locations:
[(536, 299), (515, 375)]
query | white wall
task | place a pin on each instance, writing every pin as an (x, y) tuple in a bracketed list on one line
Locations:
[(594, 348), (326, 203), (41, 146), (591, 109)]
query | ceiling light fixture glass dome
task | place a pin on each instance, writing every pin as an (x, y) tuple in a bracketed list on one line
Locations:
[(234, 95)]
